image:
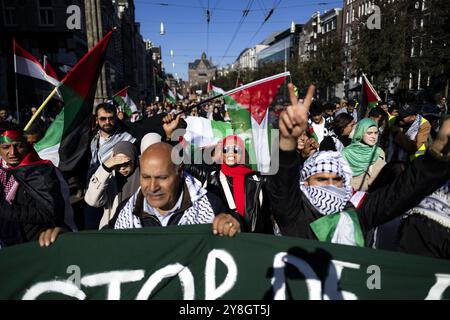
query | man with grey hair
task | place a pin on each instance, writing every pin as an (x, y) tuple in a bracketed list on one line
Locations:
[(169, 196)]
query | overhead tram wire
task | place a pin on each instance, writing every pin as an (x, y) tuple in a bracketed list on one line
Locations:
[(244, 16), (165, 4), (268, 15)]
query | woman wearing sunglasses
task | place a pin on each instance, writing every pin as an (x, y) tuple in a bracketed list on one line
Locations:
[(114, 181), (241, 188)]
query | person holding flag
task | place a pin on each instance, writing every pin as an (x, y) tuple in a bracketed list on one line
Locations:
[(127, 105)]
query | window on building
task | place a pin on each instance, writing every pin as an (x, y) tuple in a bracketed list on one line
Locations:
[(9, 12), (353, 14), (348, 17), (46, 13), (424, 5)]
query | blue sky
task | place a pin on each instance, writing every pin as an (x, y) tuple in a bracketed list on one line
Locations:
[(186, 26)]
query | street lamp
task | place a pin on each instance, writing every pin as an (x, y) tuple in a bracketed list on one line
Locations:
[(171, 53), (162, 31), (292, 31)]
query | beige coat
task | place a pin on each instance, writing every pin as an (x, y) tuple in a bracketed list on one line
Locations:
[(372, 173), (102, 192)]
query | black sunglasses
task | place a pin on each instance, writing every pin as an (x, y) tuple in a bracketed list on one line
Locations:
[(235, 149), (106, 118)]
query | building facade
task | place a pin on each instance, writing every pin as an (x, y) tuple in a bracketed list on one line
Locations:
[(201, 71), (40, 27), (283, 47), (247, 58)]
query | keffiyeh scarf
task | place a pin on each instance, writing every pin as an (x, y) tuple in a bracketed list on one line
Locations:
[(436, 206), (336, 225), (9, 184), (103, 152), (411, 133), (327, 199), (200, 212)]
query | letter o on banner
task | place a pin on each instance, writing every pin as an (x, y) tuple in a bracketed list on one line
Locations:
[(186, 279), (66, 288)]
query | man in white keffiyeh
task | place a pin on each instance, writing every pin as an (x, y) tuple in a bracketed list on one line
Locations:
[(320, 208), (325, 179), (168, 196)]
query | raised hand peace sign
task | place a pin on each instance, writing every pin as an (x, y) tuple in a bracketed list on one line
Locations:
[(294, 120)]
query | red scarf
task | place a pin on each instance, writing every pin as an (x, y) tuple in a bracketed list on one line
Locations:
[(237, 173)]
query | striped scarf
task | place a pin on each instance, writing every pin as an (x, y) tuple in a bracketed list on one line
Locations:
[(10, 185), (411, 133), (327, 199), (200, 212), (103, 152), (336, 225), (436, 206)]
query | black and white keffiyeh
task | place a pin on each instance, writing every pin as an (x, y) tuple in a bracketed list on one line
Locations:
[(327, 199), (411, 133), (413, 130), (201, 211), (436, 206), (103, 152)]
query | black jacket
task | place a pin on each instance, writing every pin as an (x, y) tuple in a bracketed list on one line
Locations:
[(423, 236), (149, 220), (37, 206), (294, 213), (257, 214)]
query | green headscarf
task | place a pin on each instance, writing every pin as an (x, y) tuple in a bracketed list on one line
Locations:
[(359, 155)]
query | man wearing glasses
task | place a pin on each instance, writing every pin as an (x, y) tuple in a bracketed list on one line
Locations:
[(107, 136)]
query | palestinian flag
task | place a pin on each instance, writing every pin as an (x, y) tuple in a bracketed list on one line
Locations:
[(213, 90), (311, 133), (170, 96), (126, 104), (202, 132), (369, 98), (248, 109), (67, 139)]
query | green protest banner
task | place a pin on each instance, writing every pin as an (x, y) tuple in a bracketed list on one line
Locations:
[(191, 263)]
